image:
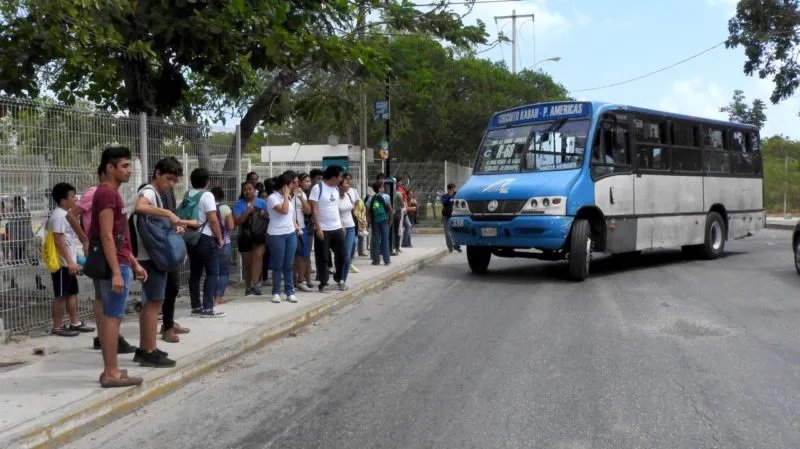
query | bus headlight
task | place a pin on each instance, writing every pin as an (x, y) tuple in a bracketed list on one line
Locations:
[(460, 207), (545, 205)]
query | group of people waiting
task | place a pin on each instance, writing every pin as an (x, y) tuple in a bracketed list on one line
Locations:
[(320, 209)]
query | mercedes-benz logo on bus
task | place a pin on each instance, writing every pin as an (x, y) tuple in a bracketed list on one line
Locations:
[(492, 206)]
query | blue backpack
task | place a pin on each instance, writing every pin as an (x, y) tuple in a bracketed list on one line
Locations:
[(167, 249)]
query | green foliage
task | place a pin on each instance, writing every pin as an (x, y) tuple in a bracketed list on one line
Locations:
[(739, 111), (768, 31), (440, 102), (780, 177)]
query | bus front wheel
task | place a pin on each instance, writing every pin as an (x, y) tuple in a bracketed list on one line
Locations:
[(478, 258), (715, 236), (580, 250)]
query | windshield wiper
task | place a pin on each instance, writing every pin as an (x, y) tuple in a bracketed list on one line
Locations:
[(555, 126)]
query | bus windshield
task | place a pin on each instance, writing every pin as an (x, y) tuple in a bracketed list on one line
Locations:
[(549, 146)]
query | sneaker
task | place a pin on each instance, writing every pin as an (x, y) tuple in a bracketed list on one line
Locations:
[(387, 263), (276, 299), (324, 289), (255, 290), (353, 269), (343, 286), (303, 287), (363, 255), (291, 298), (123, 347), (197, 311), (376, 263), (458, 249), (211, 313), (155, 359)]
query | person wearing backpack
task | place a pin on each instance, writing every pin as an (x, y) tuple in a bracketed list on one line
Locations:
[(249, 215), (65, 280), (198, 205), (447, 212), (20, 230), (379, 211), (80, 219), (166, 174)]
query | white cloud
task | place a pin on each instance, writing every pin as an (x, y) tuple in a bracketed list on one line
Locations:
[(696, 97)]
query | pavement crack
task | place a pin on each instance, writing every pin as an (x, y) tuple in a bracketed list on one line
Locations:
[(704, 418)]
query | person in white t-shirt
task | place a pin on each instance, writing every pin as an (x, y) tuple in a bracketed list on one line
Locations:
[(165, 175), (328, 234), (205, 255), (65, 280), (348, 198), (282, 237)]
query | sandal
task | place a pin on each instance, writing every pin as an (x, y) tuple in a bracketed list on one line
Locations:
[(81, 327), (170, 336), (64, 332), (123, 381)]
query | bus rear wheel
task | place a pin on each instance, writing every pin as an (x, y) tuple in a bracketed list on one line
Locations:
[(580, 250), (715, 236), (478, 258)]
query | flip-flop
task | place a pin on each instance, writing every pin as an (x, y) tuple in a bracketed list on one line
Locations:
[(123, 381)]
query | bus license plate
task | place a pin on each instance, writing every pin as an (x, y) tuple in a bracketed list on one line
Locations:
[(489, 232)]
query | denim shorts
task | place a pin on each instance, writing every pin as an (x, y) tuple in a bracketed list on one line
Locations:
[(156, 286), (114, 303), (303, 244)]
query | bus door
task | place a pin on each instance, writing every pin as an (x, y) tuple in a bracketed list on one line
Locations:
[(613, 177)]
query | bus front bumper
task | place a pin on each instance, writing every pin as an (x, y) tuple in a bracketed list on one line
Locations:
[(523, 231)]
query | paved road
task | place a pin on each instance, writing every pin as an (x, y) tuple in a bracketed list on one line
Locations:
[(650, 352)]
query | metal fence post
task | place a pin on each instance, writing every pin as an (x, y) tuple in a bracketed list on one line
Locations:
[(143, 146), (238, 155), (445, 176)]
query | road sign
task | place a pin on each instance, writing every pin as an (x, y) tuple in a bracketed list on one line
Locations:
[(380, 110)]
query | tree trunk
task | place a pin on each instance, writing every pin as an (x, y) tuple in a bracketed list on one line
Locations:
[(260, 108)]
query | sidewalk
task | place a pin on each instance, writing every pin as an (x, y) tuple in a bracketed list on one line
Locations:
[(55, 398), (779, 222)]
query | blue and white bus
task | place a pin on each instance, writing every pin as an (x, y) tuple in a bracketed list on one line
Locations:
[(562, 180)]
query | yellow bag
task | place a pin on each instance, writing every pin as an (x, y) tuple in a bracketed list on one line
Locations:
[(50, 253)]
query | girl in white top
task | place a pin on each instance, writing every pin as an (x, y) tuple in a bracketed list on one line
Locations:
[(348, 196), (282, 237)]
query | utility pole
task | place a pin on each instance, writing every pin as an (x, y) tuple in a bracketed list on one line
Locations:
[(362, 94), (513, 18)]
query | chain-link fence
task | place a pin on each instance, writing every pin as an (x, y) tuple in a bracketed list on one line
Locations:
[(42, 144)]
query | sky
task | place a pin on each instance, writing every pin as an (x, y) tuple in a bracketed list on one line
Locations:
[(605, 42)]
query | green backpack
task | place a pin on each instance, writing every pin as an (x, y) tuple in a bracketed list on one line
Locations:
[(378, 209), (189, 209)]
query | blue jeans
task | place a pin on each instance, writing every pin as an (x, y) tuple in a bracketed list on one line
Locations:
[(281, 250), (349, 249), (380, 242), (203, 256), (224, 269), (406, 230)]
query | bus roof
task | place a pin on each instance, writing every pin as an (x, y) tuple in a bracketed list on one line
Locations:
[(575, 109)]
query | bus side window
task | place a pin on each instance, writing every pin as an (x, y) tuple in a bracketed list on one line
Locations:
[(610, 152)]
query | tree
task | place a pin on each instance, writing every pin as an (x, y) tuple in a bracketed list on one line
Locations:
[(738, 111), (769, 31), (781, 160), (441, 100), (195, 58)]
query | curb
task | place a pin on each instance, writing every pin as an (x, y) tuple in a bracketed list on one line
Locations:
[(92, 413), (789, 226), (427, 231)]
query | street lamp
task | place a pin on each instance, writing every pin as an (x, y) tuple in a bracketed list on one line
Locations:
[(554, 59)]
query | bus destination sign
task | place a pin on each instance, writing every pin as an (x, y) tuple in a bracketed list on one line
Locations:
[(539, 113)]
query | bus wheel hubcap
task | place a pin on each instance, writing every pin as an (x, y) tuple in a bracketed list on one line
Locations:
[(716, 236)]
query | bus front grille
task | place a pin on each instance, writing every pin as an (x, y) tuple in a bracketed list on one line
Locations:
[(503, 207)]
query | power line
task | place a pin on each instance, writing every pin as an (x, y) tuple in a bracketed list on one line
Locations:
[(653, 72), (477, 2)]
